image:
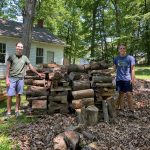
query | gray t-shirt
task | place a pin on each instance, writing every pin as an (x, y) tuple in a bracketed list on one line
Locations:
[(18, 65), (123, 66)]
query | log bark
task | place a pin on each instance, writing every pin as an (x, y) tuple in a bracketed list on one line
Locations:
[(76, 68), (37, 98), (33, 77), (88, 93), (104, 79), (99, 65), (91, 115), (108, 85), (51, 66), (78, 76), (105, 111), (35, 82), (37, 91), (60, 99), (39, 104), (80, 85), (77, 104), (101, 72), (80, 115)]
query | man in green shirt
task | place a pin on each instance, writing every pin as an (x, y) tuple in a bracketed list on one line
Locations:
[(15, 72)]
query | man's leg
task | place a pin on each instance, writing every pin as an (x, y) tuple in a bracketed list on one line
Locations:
[(130, 101), (9, 100), (120, 101), (18, 99)]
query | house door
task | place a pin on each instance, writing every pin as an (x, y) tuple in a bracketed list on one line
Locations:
[(50, 57)]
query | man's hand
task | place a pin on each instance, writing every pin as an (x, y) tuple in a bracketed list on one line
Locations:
[(41, 75), (133, 81), (7, 82)]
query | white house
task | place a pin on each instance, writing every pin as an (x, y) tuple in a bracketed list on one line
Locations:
[(45, 47)]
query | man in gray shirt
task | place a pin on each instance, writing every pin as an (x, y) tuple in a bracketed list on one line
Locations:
[(15, 72)]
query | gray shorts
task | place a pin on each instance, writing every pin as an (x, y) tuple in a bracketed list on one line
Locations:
[(16, 86)]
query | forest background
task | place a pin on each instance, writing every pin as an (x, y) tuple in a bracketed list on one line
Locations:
[(94, 27)]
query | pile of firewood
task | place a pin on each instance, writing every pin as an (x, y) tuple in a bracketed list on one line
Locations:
[(37, 90), (86, 88), (104, 91), (58, 98)]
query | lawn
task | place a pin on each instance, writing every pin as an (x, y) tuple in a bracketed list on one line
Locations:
[(142, 72), (7, 126)]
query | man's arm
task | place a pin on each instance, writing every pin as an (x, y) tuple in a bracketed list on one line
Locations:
[(7, 74), (34, 70), (132, 74)]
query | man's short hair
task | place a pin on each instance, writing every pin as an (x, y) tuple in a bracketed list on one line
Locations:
[(18, 43)]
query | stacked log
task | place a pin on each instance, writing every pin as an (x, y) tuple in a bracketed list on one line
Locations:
[(83, 97), (104, 91), (59, 89), (37, 91)]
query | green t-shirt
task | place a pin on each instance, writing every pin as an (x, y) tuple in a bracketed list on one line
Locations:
[(18, 65)]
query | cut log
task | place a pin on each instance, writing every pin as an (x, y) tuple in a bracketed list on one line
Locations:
[(77, 104), (80, 115), (36, 98), (104, 79), (108, 85), (57, 76), (105, 111), (76, 68), (57, 107), (78, 76), (60, 99), (88, 93), (35, 82), (50, 66), (100, 72), (91, 115), (80, 85), (39, 104), (68, 140), (37, 91), (99, 65), (87, 67), (33, 77)]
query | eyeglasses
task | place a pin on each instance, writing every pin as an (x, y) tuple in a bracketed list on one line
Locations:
[(122, 48)]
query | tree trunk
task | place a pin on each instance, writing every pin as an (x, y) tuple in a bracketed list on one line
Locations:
[(28, 18)]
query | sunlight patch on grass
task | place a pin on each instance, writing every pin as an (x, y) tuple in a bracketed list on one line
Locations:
[(142, 72), (5, 143)]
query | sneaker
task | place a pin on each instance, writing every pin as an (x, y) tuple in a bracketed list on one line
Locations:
[(7, 116), (17, 114)]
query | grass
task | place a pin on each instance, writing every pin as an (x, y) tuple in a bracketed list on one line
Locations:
[(6, 126), (142, 72)]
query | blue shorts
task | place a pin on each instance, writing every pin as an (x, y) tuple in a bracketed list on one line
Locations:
[(124, 86), (16, 86)]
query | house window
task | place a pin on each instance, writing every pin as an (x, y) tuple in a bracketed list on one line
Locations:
[(50, 57), (2, 52), (39, 55)]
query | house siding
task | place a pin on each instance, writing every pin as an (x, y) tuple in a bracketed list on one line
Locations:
[(11, 48)]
